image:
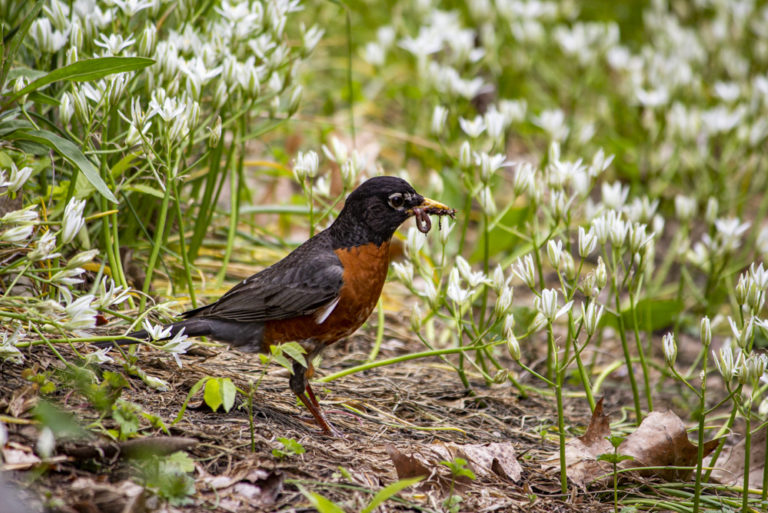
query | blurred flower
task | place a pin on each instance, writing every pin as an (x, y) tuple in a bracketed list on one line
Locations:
[(587, 242), (17, 234), (80, 313), (156, 332), (177, 345), (474, 127), (44, 248), (73, 220), (546, 304), (46, 443), (552, 122), (455, 292), (404, 272), (439, 117), (670, 349), (685, 207), (305, 165), (592, 316), (98, 357), (524, 270), (67, 278)]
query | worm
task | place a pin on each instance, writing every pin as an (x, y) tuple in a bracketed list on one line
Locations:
[(423, 222)]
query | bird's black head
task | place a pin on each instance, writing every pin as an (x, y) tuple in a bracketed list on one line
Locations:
[(377, 208)]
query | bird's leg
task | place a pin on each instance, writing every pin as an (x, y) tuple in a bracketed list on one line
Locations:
[(300, 387)]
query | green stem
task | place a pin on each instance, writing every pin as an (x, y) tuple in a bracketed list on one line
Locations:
[(158, 240), (235, 181), (747, 448), (560, 416), (700, 449), (183, 245), (398, 359), (625, 345), (641, 352)]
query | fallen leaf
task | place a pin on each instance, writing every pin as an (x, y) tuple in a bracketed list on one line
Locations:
[(661, 440), (485, 460), (729, 468)]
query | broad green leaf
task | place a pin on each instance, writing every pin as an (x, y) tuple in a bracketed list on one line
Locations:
[(88, 69), (70, 152), (295, 351), (124, 163), (181, 461), (11, 125), (228, 392), (388, 491), (652, 314), (212, 395)]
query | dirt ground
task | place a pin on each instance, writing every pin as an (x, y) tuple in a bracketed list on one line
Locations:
[(404, 410)]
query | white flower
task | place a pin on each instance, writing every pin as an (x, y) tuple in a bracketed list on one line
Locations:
[(504, 301), (587, 242), (546, 304), (552, 122), (454, 291), (8, 349), (18, 177), (338, 151), (615, 195), (374, 54), (439, 117), (114, 44), (67, 277), (554, 251), (177, 345), (485, 198), (311, 37), (727, 362), (17, 234), (494, 123), (98, 357), (82, 258), (25, 216), (132, 7), (652, 98), (685, 207), (513, 110), (524, 270), (80, 313), (156, 331), (489, 164), (44, 248), (524, 181), (473, 278), (670, 349), (73, 220), (414, 241), (592, 316), (727, 91), (465, 155), (404, 272), (429, 292), (474, 127), (306, 165), (109, 294), (730, 231)]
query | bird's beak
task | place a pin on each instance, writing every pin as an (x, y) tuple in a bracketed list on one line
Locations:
[(431, 206)]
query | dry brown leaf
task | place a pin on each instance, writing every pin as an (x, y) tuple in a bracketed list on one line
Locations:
[(729, 468), (661, 440), (485, 460)]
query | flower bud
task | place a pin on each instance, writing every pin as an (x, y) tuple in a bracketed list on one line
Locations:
[(601, 274), (215, 135), (501, 376), (670, 349), (465, 155), (439, 117), (705, 331)]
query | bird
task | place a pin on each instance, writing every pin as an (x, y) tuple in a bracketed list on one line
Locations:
[(321, 292)]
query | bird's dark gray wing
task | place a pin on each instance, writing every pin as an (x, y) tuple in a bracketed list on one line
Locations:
[(298, 285)]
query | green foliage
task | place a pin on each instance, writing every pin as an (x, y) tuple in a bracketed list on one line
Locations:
[(219, 392), (290, 447), (168, 476)]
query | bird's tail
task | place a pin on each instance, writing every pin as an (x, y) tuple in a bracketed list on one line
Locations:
[(246, 336)]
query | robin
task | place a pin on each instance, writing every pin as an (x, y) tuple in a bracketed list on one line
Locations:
[(322, 291)]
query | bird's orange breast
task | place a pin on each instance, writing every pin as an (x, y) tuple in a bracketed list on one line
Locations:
[(365, 270)]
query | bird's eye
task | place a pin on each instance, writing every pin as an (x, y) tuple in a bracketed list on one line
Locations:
[(396, 200)]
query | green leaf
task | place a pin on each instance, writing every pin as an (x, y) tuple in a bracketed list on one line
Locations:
[(212, 395), (652, 314), (70, 152), (320, 503), (86, 70), (228, 392), (192, 391), (180, 461), (16, 39), (62, 423), (388, 491), (295, 351), (145, 189)]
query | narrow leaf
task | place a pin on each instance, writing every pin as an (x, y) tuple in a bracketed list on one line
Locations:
[(88, 69), (70, 152), (390, 490), (192, 391)]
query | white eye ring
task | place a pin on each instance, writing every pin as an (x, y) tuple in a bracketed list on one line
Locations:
[(396, 201)]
